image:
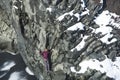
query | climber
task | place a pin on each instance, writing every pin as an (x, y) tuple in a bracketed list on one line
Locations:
[(45, 55)]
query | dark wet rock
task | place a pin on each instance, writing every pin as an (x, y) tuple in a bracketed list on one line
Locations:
[(19, 67)]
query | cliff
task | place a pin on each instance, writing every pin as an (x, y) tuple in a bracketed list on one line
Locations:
[(69, 29)]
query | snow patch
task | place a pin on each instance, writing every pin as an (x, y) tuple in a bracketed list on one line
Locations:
[(86, 12), (76, 26), (83, 3), (49, 9), (81, 44), (77, 15), (7, 65), (21, 1), (101, 1), (1, 75), (104, 19), (10, 52), (60, 18), (112, 69), (15, 7), (16, 76), (105, 30), (29, 71)]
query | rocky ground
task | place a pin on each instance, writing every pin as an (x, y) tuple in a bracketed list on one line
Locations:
[(83, 37)]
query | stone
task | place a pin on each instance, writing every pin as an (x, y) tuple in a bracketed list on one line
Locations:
[(112, 55), (28, 25)]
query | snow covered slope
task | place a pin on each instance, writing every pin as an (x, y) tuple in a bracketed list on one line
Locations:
[(112, 69)]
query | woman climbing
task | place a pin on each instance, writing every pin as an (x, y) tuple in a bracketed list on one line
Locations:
[(45, 55)]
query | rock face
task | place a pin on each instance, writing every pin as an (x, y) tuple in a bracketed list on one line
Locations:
[(29, 26)]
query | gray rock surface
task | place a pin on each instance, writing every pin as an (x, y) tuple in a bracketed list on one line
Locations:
[(29, 26)]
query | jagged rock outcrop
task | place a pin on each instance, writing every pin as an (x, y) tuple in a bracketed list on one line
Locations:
[(36, 25)]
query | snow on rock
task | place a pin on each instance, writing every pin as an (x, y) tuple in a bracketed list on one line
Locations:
[(29, 71), (77, 15), (86, 12), (60, 18), (49, 9), (105, 30), (76, 26), (83, 3), (15, 7), (3, 73), (112, 69), (81, 44), (21, 1), (104, 19), (7, 65), (101, 1), (10, 52), (16, 76)]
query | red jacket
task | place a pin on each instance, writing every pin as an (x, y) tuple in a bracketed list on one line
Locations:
[(45, 55)]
